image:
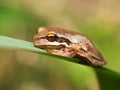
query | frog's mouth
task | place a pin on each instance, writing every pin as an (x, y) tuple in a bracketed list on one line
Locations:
[(51, 46), (55, 46)]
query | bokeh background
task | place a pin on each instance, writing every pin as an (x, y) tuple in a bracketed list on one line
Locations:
[(21, 70)]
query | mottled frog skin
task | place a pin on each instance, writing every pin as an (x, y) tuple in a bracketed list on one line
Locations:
[(67, 43)]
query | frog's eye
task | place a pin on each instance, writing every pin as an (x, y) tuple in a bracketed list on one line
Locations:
[(52, 37)]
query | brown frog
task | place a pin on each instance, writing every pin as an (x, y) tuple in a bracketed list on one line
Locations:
[(67, 43)]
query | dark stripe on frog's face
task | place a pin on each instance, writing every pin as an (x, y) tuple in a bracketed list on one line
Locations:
[(58, 39), (62, 40)]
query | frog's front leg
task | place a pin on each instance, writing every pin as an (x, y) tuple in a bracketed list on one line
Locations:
[(67, 52)]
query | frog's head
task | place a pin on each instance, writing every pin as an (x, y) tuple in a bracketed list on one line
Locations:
[(50, 38)]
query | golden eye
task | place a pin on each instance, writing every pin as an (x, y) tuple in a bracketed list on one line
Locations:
[(51, 37)]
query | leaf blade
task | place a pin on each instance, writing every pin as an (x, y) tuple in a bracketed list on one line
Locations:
[(107, 78)]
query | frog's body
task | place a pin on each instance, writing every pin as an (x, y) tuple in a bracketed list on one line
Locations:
[(68, 43)]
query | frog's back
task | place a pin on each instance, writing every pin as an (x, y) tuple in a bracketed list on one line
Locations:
[(62, 31)]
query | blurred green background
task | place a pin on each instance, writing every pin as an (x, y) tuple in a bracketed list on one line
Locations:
[(20, 70)]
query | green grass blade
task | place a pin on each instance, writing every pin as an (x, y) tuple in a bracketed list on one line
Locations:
[(108, 79)]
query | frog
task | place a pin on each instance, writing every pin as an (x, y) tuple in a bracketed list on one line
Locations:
[(67, 43)]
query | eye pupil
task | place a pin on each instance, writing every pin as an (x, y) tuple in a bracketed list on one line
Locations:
[(51, 37)]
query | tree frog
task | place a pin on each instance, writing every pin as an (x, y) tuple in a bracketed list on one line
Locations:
[(70, 44)]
